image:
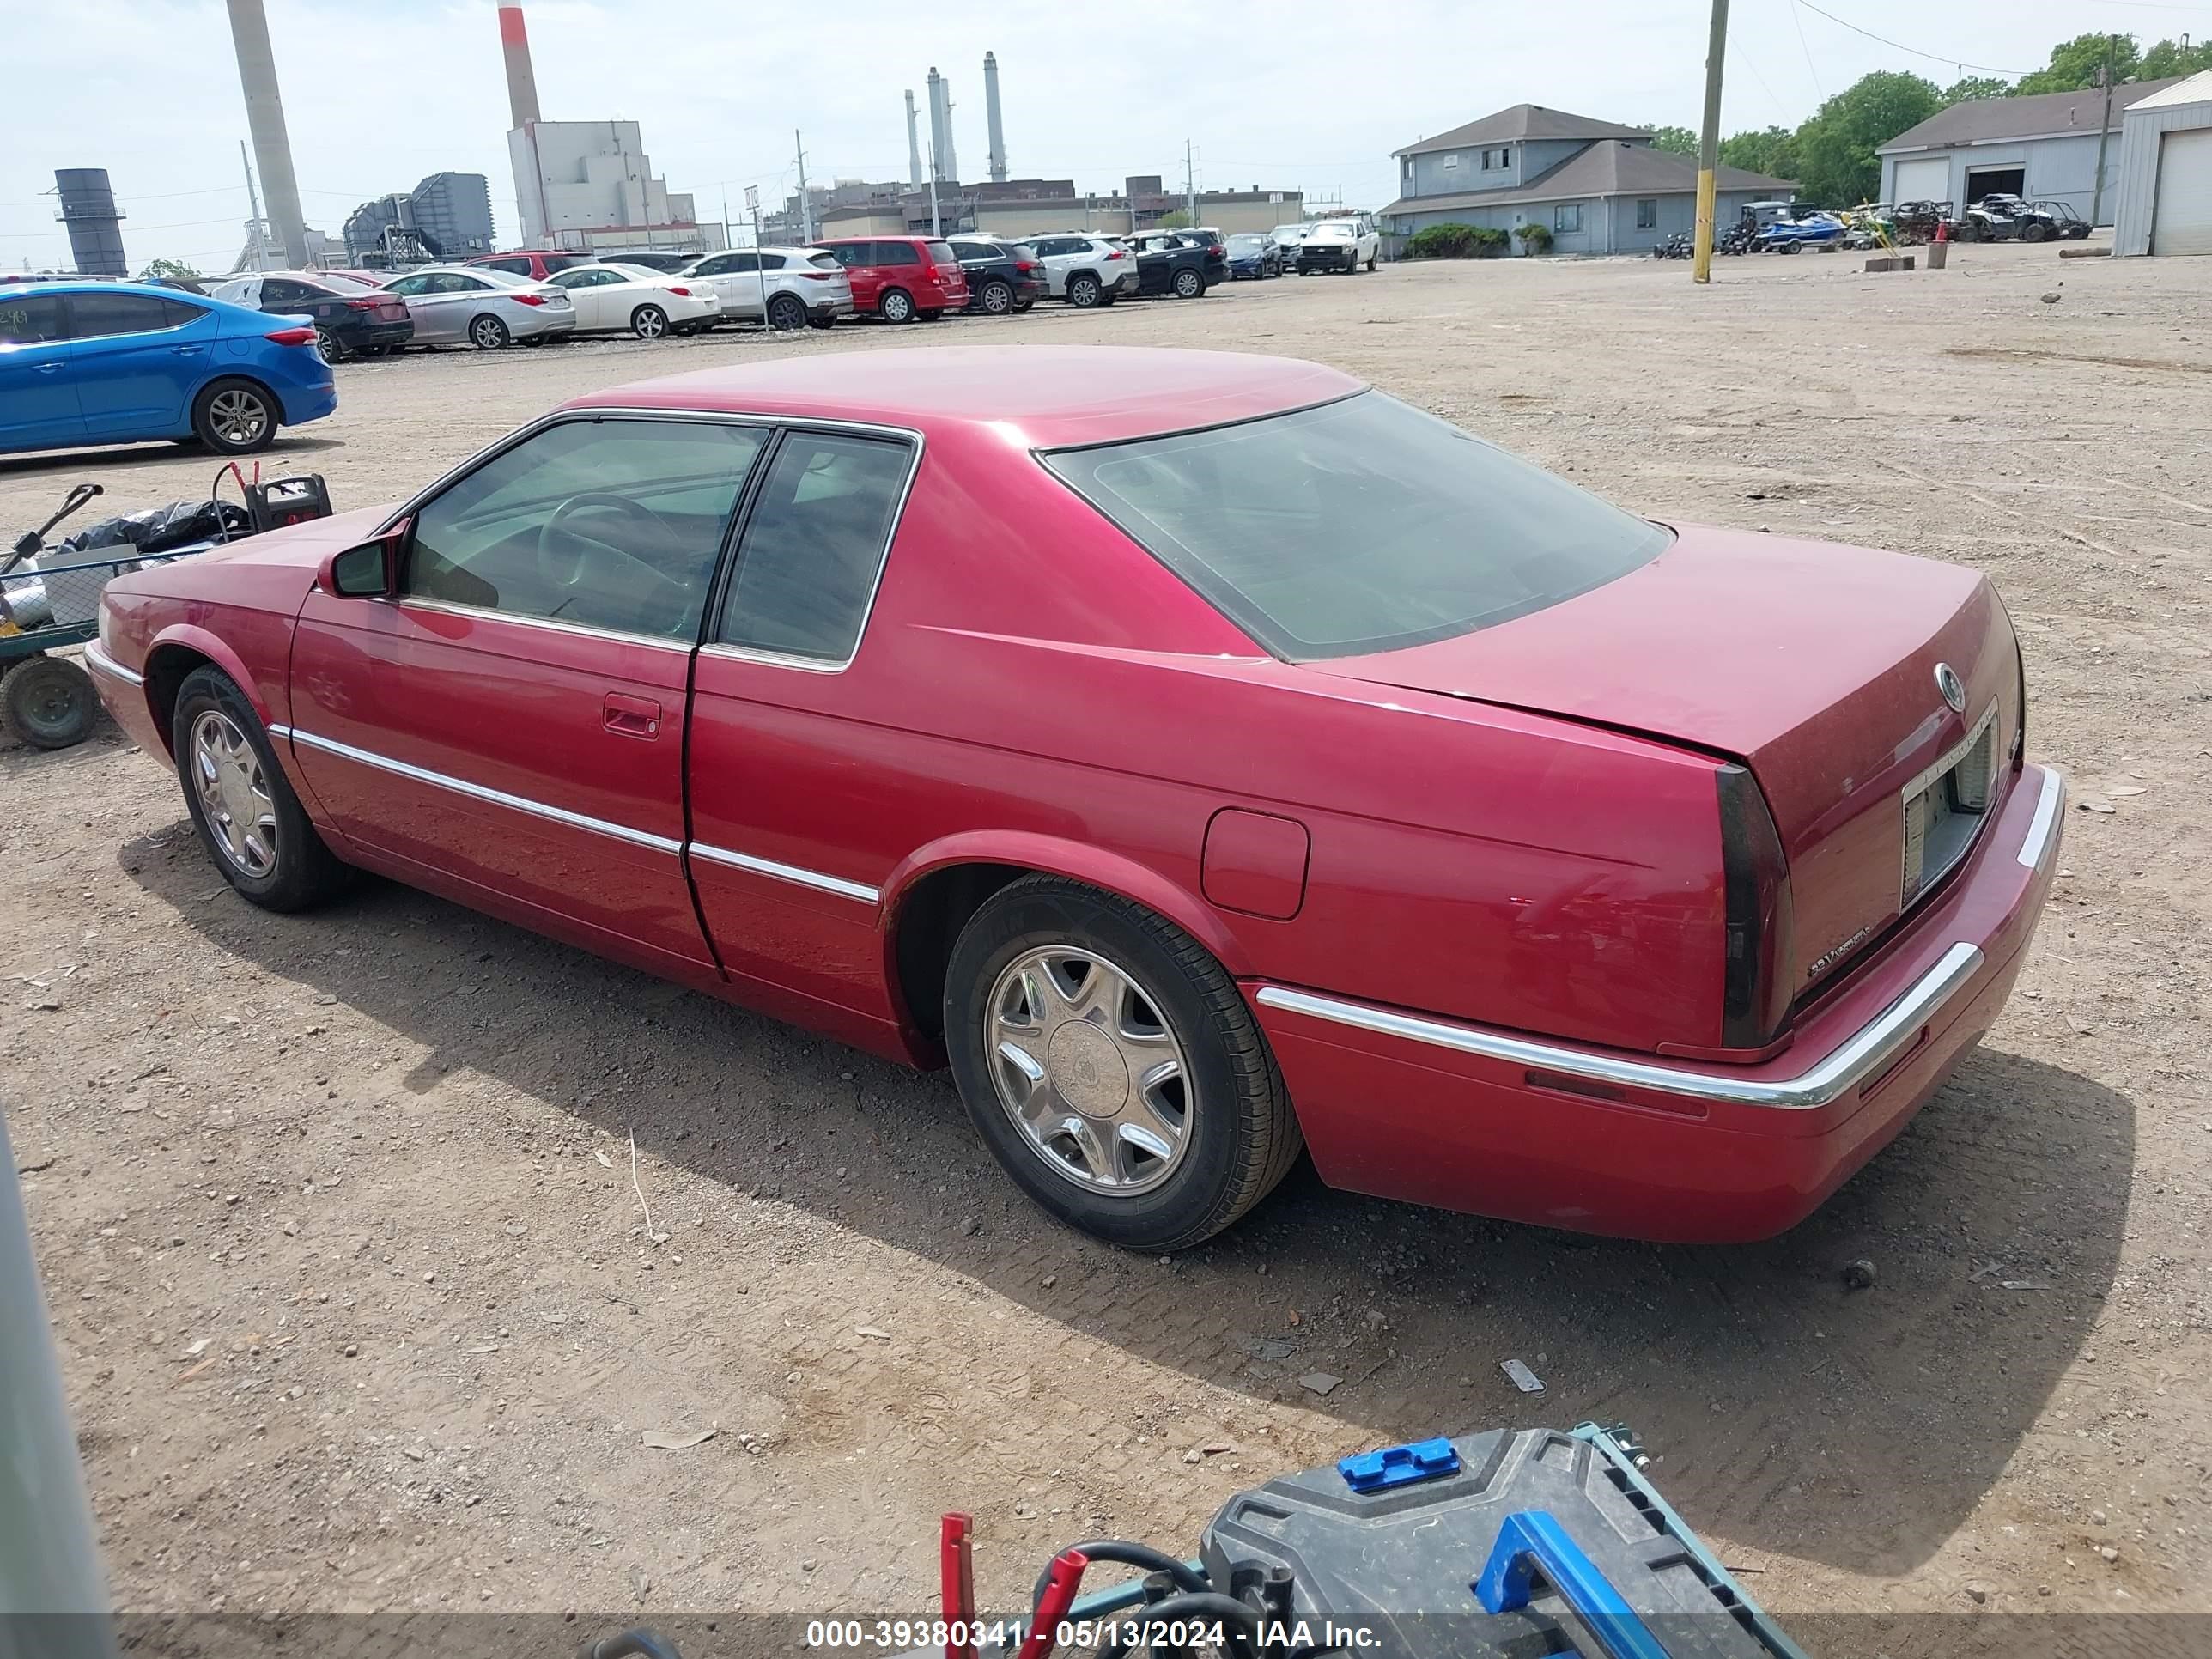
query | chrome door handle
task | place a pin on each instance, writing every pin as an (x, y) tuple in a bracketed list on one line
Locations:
[(630, 717), (49, 369)]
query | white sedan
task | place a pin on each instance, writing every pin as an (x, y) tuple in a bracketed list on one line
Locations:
[(618, 298)]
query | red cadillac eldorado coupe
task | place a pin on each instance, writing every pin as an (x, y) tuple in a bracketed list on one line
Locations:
[(1205, 755)]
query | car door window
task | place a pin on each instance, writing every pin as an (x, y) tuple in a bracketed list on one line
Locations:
[(407, 285), (739, 264), (849, 254), (611, 524), (897, 253), (30, 318), (772, 262), (451, 282), (95, 316), (814, 546), (277, 291)]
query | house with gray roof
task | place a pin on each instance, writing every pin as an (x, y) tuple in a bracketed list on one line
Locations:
[(2043, 147), (1599, 187)]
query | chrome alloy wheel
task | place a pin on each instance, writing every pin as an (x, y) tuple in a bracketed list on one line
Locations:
[(239, 416), (1089, 1072), (234, 796)]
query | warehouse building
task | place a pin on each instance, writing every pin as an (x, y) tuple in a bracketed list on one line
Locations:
[(1031, 207), (2164, 194), (1598, 187), (2044, 148)]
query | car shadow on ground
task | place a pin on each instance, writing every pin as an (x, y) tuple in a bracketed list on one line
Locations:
[(1788, 1412), (286, 443)]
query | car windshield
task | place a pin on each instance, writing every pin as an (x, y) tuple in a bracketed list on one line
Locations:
[(1361, 525), (1249, 241), (1289, 233)]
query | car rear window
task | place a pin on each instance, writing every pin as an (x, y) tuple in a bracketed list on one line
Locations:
[(942, 253), (1360, 526), (824, 262)]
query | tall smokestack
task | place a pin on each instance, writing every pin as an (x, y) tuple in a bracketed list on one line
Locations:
[(940, 137), (264, 120), (913, 144), (521, 79), (991, 115)]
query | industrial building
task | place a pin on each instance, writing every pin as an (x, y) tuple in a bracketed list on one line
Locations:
[(1596, 187), (93, 221), (2163, 195), (586, 185), (2046, 147), (446, 216)]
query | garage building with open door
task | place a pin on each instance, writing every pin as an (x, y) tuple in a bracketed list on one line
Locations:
[(2164, 189), (2043, 147)]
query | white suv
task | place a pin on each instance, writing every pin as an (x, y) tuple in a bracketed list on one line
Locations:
[(1084, 270), (1346, 244), (781, 288)]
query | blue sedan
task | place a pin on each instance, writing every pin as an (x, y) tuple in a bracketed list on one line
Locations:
[(85, 362)]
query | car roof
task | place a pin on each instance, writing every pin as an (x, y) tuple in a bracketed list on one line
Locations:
[(96, 285), (1041, 397)]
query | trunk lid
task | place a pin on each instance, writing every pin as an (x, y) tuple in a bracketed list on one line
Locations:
[(1814, 665)]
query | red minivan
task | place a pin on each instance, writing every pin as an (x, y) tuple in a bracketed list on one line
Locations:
[(901, 277)]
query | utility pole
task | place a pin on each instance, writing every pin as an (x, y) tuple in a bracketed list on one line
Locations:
[(752, 206), (1709, 144), (1189, 185), (2104, 138), (805, 202), (253, 200)]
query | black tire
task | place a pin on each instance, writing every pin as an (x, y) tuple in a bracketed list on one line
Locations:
[(786, 312), (1189, 284), (895, 305), (48, 702), (932, 314), (997, 298), (304, 872), (1240, 1135), (1371, 261), (234, 416), (823, 321), (329, 347), (488, 333), (1085, 290), (648, 323), (2033, 232)]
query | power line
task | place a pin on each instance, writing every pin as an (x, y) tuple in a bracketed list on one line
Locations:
[(1806, 46), (1899, 46)]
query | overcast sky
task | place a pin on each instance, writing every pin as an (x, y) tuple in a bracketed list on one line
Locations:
[(1310, 94)]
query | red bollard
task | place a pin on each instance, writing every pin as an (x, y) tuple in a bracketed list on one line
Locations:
[(956, 1573), (1063, 1578)]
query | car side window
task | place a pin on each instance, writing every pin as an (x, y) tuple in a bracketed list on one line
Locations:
[(453, 282), (607, 524), (771, 261), (97, 316), (814, 546), (288, 293), (740, 263), (407, 285), (30, 318), (897, 253), (848, 255)]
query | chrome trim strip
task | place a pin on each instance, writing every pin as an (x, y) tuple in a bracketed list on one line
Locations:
[(552, 624), (1864, 1056), (537, 809), (2036, 846), (856, 891), (102, 663), (1951, 756)]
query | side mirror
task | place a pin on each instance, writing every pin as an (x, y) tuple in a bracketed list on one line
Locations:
[(369, 571)]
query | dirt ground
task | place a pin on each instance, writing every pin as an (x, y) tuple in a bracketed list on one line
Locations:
[(355, 1296)]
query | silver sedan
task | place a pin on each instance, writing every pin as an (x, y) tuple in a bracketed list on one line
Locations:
[(456, 305)]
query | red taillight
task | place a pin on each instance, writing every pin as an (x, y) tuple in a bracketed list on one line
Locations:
[(685, 292), (1117, 254), (1025, 264), (291, 336), (364, 305), (819, 276), (528, 299), (1761, 916)]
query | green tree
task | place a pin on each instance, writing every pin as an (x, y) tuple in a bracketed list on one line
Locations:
[(1772, 151), (1977, 85), (173, 268), (2075, 64), (2171, 57), (1837, 167), (1179, 220), (1678, 141)]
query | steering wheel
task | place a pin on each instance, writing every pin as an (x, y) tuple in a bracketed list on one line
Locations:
[(566, 569)]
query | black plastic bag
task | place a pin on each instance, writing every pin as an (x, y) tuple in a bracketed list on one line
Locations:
[(158, 529)]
